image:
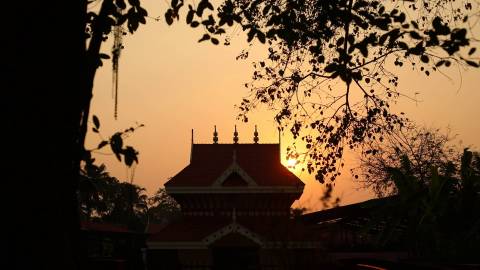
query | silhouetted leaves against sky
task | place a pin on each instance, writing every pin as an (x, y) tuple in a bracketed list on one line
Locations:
[(328, 71)]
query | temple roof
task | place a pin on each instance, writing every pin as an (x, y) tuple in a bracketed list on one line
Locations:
[(191, 229), (259, 165)]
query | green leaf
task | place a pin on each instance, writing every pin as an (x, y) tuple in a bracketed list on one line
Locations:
[(130, 155), (174, 3), (415, 24), (383, 38), (331, 68), (104, 56), (363, 49), (202, 6), (266, 9), (471, 63), (261, 37), (250, 34), (121, 4), (440, 28), (424, 58), (209, 5), (220, 31), (440, 63), (415, 35), (142, 12), (102, 144), (96, 122), (205, 37), (472, 51), (116, 144), (340, 41), (190, 14), (194, 24), (169, 16), (214, 41), (402, 45), (134, 2)]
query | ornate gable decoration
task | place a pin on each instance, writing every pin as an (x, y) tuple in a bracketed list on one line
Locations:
[(234, 169)]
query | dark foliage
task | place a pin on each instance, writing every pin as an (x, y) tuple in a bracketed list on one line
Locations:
[(103, 198), (330, 72), (425, 149), (439, 219), (162, 208)]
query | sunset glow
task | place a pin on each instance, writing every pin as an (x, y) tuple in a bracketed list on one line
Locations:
[(291, 163), (172, 84)]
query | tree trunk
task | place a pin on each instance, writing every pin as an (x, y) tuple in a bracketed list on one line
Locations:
[(44, 59)]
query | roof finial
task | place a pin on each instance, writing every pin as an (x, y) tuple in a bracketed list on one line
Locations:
[(235, 135), (191, 149), (255, 135), (279, 136), (279, 144), (215, 135)]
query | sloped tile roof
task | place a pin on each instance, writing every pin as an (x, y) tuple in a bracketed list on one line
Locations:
[(190, 229), (260, 161), (103, 227)]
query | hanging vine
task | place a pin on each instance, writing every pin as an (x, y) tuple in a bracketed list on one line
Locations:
[(116, 51)]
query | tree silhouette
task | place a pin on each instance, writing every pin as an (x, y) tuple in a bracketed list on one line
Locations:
[(331, 69), (49, 72), (425, 149), (439, 219), (162, 208), (48, 81), (104, 198)]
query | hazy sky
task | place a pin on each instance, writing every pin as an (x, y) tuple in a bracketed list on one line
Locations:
[(173, 84)]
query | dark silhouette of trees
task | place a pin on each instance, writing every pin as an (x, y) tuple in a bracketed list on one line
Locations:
[(425, 149), (52, 52), (42, 83), (49, 72), (438, 219), (162, 208), (104, 198), (432, 191), (331, 69)]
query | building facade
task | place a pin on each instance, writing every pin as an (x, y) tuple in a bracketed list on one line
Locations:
[(235, 200)]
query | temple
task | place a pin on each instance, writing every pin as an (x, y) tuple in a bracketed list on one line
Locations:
[(235, 200)]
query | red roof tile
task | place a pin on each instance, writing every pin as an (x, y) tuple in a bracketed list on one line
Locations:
[(189, 229), (103, 227), (192, 229), (260, 161)]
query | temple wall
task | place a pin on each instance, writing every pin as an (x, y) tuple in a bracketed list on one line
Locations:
[(195, 259)]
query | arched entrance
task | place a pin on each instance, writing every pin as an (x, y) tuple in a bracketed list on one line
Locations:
[(235, 252)]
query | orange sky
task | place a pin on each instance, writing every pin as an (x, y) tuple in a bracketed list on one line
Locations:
[(172, 84)]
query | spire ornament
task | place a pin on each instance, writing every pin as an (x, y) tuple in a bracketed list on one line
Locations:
[(235, 135), (191, 149), (215, 135), (255, 136)]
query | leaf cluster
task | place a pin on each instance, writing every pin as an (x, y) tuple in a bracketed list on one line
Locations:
[(439, 218), (114, 13), (423, 147), (103, 198), (331, 67), (116, 142)]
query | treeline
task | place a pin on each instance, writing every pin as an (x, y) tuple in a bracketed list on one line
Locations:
[(104, 198), (434, 195)]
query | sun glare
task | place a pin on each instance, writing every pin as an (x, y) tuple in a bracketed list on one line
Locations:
[(291, 163)]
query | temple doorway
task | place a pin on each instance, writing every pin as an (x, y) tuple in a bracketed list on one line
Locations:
[(235, 258)]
